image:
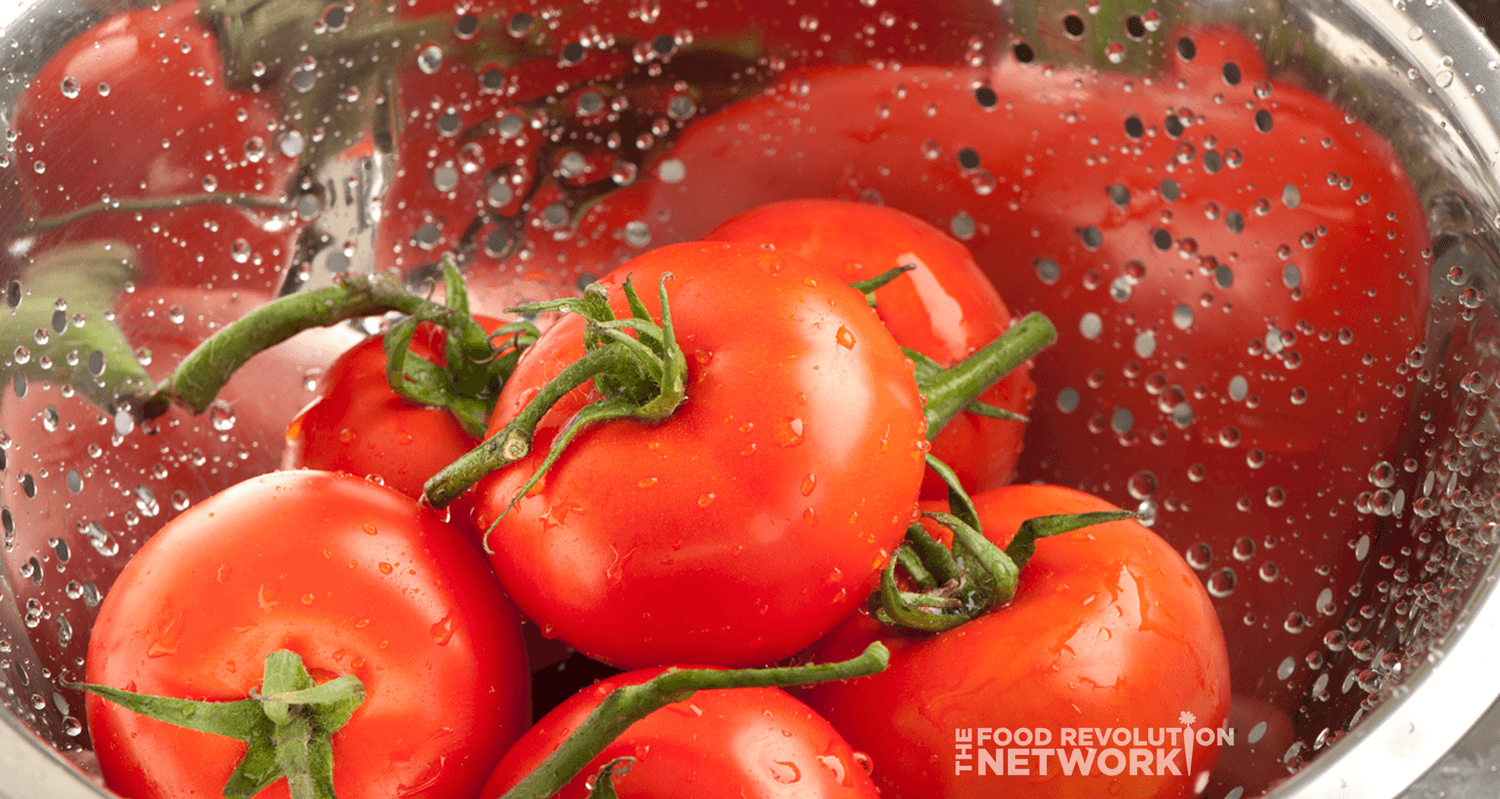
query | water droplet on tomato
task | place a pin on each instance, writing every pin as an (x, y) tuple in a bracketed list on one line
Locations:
[(166, 643), (809, 482), (268, 595), (442, 632), (789, 432), (785, 772), (370, 529)]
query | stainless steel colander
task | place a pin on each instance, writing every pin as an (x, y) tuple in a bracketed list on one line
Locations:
[(1356, 696)]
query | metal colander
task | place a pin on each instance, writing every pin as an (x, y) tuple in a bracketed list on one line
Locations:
[(1356, 692)]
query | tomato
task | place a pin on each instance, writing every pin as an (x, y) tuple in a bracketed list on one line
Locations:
[(801, 433), (81, 495), (945, 308), (1246, 381), (358, 425), (353, 577), (136, 111), (1109, 629), (737, 742)]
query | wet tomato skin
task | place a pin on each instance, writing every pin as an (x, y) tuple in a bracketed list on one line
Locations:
[(945, 308), (1108, 628), (801, 433), (353, 577), (755, 742)]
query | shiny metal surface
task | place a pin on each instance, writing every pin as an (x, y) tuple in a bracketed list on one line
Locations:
[(1419, 72)]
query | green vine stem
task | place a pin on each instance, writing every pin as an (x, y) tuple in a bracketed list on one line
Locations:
[(197, 380), (952, 390), (288, 723), (642, 377), (628, 704), (958, 584)]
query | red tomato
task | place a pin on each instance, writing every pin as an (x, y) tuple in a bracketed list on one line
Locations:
[(1109, 629), (801, 432), (81, 496), (1249, 414), (358, 425), (730, 743), (352, 576), (136, 111), (945, 309)]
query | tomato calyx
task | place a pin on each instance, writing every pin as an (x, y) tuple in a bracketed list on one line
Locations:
[(476, 366), (641, 377), (959, 584), (288, 724), (628, 704), (197, 380), (951, 391)]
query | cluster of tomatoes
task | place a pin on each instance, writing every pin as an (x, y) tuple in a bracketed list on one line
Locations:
[(721, 454)]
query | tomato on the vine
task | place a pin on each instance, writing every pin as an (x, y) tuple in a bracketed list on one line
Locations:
[(204, 200), (84, 487), (944, 308), (357, 580), (1198, 240), (754, 518), (357, 424), (731, 742), (1109, 629)]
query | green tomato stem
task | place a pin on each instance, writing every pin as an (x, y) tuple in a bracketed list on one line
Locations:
[(201, 375), (626, 705), (642, 378), (288, 723), (951, 390)]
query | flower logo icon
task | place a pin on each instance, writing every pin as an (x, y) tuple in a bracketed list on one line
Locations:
[(1186, 717)]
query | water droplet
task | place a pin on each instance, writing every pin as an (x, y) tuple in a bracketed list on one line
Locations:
[(789, 431), (1221, 583), (844, 338), (1199, 555), (1142, 485), (443, 631), (1229, 436), (221, 416), (430, 59)]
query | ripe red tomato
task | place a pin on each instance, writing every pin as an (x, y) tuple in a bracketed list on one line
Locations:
[(352, 576), (801, 432), (945, 309), (734, 742), (136, 111), (1109, 629), (1235, 306), (358, 425), (80, 496)]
